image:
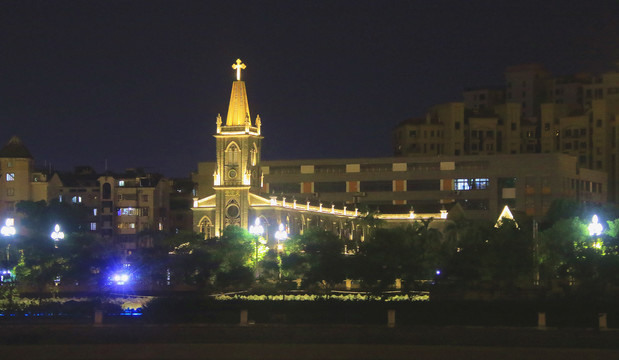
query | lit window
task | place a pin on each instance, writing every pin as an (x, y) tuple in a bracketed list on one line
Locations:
[(94, 212), (10, 176), (121, 182), (76, 199), (471, 184), (93, 226), (60, 198)]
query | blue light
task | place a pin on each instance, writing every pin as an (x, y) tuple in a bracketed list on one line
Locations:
[(438, 272), (121, 278)]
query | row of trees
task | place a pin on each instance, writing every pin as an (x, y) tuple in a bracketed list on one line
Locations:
[(560, 258)]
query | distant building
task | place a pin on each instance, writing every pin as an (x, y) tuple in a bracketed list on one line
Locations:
[(573, 114), (479, 99), (527, 85), (481, 185), (20, 181), (124, 208), (133, 204)]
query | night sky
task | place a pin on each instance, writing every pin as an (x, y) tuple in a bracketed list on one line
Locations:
[(140, 83)]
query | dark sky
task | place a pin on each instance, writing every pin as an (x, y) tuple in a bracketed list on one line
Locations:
[(139, 83)]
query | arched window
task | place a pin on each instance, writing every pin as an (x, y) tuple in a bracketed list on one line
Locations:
[(206, 227), (233, 155)]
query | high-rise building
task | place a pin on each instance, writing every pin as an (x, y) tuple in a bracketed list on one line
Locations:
[(572, 114)]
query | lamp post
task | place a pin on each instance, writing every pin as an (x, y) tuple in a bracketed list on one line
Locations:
[(595, 229), (256, 230), (281, 235), (8, 231), (57, 235)]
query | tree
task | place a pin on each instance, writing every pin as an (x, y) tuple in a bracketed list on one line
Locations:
[(233, 252), (576, 262), (385, 256), (42, 262), (317, 257), (192, 263)]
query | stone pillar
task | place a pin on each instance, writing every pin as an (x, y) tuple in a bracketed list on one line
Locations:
[(541, 320), (603, 324), (390, 318), (244, 321)]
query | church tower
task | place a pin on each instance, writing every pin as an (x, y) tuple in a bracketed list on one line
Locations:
[(238, 144)]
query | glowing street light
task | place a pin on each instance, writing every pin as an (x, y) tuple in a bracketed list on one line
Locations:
[(8, 230), (280, 236), (9, 227), (595, 228), (256, 229), (57, 235)]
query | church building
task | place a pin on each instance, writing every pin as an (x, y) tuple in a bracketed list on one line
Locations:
[(238, 182)]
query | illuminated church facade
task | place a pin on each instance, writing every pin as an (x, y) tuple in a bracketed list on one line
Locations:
[(238, 185)]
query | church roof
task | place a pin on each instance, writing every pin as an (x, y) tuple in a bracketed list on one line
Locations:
[(15, 149), (238, 110)]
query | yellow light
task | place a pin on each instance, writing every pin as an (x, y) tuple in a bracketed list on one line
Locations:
[(216, 178), (238, 67)]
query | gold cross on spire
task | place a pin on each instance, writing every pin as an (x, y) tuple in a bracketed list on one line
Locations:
[(238, 66)]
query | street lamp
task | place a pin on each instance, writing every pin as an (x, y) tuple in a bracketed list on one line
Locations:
[(280, 236), (57, 235), (8, 230), (256, 230), (595, 229), (9, 227)]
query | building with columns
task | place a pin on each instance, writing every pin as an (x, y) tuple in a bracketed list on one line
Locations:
[(231, 189)]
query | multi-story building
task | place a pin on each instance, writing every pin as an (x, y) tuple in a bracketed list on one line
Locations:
[(482, 185), (527, 85), (20, 181), (133, 204), (573, 115), (483, 97), (124, 208), (600, 87), (450, 129)]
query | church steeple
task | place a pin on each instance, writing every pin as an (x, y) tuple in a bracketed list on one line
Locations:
[(238, 144), (238, 110)]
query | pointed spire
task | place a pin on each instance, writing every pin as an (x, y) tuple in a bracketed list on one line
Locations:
[(15, 149), (238, 110)]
